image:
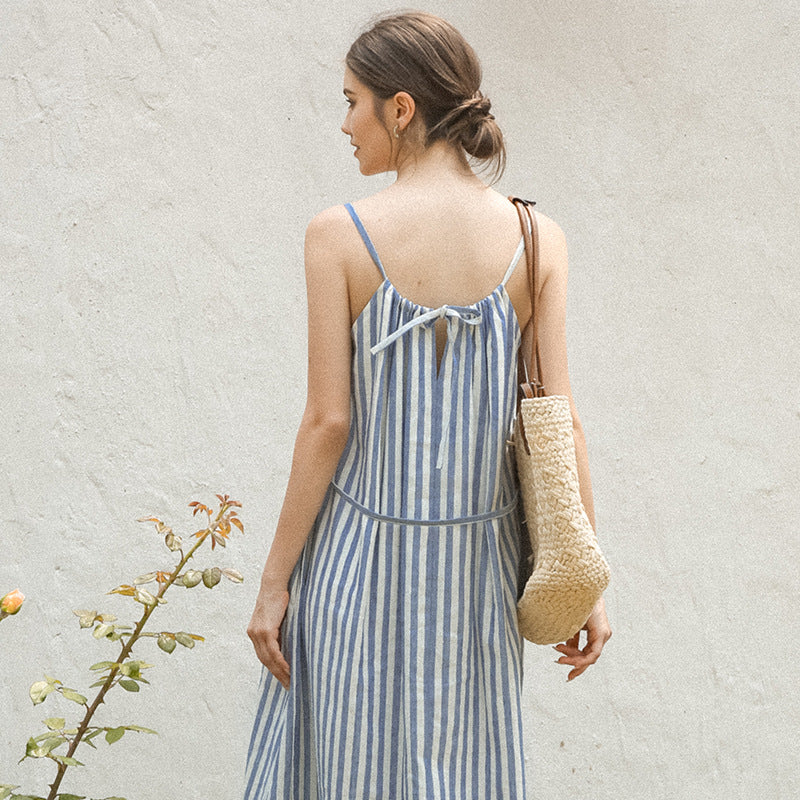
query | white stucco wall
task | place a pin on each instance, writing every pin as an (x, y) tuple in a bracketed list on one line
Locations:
[(159, 162)]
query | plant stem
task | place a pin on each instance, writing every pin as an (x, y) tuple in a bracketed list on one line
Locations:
[(124, 653)]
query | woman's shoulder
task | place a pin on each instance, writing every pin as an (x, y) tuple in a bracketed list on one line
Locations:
[(329, 221), (546, 224), (552, 245), (332, 230), (550, 231)]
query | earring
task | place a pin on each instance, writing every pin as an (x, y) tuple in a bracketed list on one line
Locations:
[(396, 134)]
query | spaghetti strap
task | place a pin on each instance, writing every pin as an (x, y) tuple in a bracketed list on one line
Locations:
[(517, 256), (367, 241), (376, 258)]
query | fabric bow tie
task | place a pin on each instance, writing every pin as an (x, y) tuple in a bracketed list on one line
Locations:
[(464, 313), (450, 313)]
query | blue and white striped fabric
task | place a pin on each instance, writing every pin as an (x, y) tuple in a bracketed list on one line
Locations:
[(401, 630)]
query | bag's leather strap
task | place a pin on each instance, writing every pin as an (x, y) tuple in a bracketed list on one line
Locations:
[(533, 385)]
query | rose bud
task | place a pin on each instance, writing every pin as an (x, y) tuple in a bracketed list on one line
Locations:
[(10, 603)]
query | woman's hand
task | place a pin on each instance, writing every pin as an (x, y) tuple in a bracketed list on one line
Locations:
[(264, 630), (598, 632)]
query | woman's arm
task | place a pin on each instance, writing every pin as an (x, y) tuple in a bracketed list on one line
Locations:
[(322, 434), (553, 342), (555, 374)]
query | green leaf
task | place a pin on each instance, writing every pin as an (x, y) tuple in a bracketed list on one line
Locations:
[(89, 736), (46, 746), (144, 597), (70, 797), (185, 639), (71, 694), (40, 690), (191, 578), (98, 683), (111, 798), (166, 641), (52, 744), (102, 665), (68, 761), (140, 729), (146, 578), (129, 685), (36, 750), (6, 789), (212, 576), (114, 735), (55, 723), (25, 797), (102, 630), (173, 542), (131, 669), (46, 736)]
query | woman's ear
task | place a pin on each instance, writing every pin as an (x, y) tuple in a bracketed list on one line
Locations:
[(403, 109)]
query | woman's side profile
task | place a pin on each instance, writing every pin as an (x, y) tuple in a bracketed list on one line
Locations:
[(386, 618)]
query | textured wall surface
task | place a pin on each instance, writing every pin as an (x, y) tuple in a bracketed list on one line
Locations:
[(159, 162)]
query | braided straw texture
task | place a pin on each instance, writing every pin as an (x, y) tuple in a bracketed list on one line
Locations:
[(569, 573)]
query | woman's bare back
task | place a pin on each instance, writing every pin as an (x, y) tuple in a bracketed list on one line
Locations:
[(438, 248)]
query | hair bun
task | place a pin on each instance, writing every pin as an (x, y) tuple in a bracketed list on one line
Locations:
[(472, 124), (478, 106), (464, 118)]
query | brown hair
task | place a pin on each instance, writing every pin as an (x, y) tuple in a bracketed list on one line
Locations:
[(427, 57)]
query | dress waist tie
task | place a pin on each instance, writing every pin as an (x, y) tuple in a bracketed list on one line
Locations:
[(491, 514)]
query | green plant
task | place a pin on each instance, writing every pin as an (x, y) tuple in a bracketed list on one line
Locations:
[(126, 671)]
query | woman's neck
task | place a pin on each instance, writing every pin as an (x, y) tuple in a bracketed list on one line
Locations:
[(440, 163)]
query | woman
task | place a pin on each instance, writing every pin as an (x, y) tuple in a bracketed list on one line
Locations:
[(386, 618)]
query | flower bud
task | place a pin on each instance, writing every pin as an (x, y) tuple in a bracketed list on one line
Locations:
[(166, 643), (10, 603)]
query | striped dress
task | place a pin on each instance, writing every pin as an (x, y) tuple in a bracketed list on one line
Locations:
[(401, 629)]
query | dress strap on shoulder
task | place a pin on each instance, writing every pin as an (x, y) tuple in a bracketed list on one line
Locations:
[(517, 256), (365, 237)]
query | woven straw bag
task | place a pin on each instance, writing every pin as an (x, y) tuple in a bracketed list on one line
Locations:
[(569, 572)]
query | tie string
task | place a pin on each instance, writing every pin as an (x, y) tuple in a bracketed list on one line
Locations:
[(466, 314), (451, 313)]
